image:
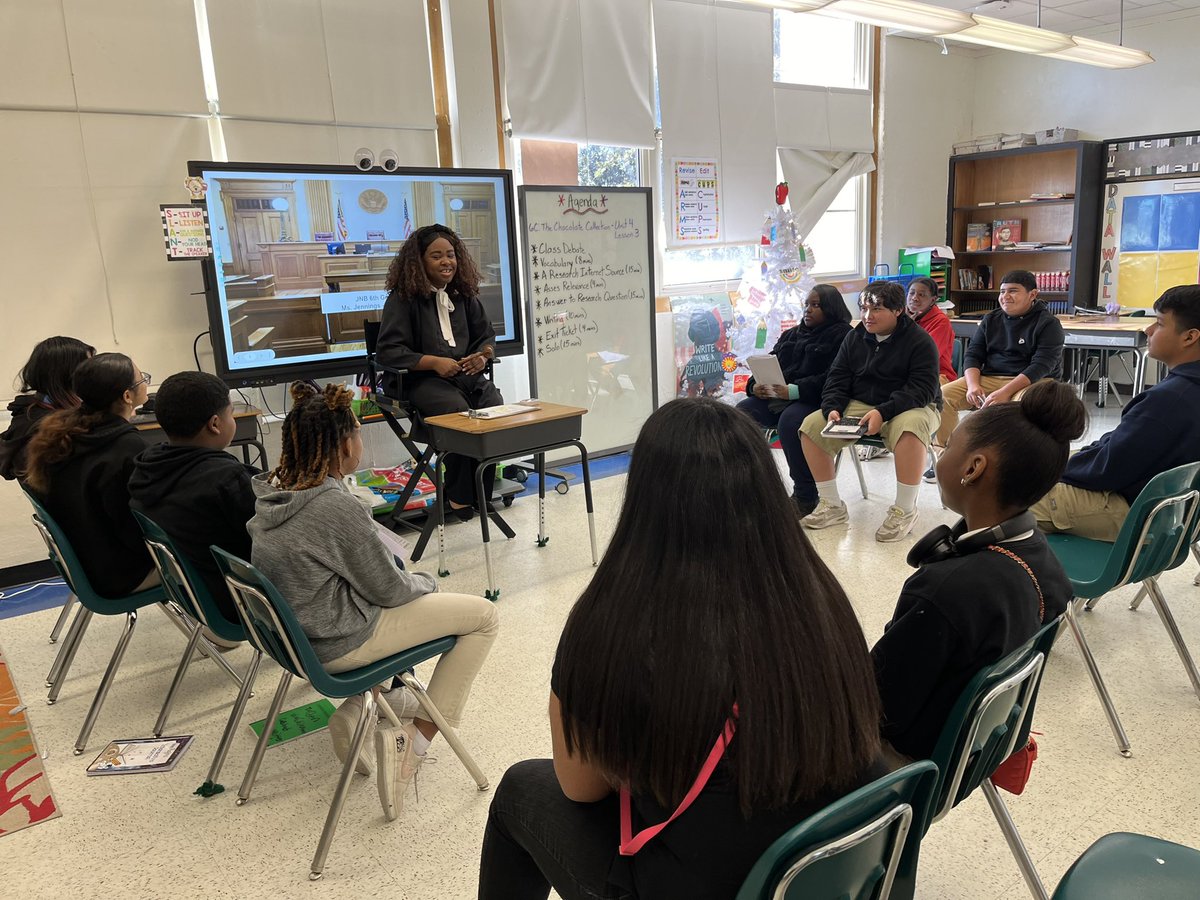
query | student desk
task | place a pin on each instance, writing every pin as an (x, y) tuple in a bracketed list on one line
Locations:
[(548, 427), (245, 435), (1106, 334)]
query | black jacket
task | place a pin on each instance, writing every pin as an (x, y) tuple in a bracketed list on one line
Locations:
[(26, 411), (199, 497), (409, 329), (89, 498), (953, 618), (805, 355), (892, 376), (1029, 345)]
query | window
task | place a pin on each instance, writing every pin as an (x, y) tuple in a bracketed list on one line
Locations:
[(814, 49), (590, 165)]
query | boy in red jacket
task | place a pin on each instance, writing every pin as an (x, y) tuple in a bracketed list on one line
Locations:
[(922, 307)]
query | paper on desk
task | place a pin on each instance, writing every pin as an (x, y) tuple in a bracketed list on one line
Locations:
[(766, 370)]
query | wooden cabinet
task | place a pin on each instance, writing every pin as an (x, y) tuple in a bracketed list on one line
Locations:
[(298, 265), (1000, 185)]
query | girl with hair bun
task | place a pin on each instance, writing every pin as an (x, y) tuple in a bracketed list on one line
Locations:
[(320, 546), (984, 587), (78, 463)]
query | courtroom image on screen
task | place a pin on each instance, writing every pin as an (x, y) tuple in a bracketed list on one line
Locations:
[(300, 260)]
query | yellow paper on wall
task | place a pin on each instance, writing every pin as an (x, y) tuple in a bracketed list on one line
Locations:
[(1177, 268), (1138, 279)]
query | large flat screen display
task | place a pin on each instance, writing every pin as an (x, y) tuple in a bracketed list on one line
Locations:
[(301, 253)]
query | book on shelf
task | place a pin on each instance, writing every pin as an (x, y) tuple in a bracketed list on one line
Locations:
[(978, 278), (1058, 245), (979, 237), (1006, 233), (1053, 195), (1028, 245)]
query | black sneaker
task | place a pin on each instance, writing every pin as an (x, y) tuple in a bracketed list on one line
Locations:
[(930, 477), (803, 507)]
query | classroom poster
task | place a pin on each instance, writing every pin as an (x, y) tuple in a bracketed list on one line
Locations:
[(185, 232), (1150, 240), (696, 200)]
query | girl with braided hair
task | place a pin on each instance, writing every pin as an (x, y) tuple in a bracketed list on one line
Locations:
[(321, 548), (435, 327)]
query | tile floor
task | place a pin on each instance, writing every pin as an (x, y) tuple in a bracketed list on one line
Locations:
[(148, 836)]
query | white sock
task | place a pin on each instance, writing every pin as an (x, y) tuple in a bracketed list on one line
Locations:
[(420, 743), (827, 491), (906, 495)]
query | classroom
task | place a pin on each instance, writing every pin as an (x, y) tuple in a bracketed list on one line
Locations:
[(563, 387)]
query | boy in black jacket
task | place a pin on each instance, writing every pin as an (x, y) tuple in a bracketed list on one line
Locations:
[(1015, 345), (885, 372), (190, 487)]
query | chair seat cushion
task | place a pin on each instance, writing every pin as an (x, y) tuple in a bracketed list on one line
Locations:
[(1084, 561), (1122, 866), (355, 681)]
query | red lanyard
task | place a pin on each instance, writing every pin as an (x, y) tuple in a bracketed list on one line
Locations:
[(631, 843)]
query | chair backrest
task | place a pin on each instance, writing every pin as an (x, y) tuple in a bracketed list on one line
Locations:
[(183, 583), (1161, 525), (855, 848), (271, 626), (956, 357), (990, 721)]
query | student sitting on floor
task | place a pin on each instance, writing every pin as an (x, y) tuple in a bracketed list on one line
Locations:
[(678, 672), (984, 587), (805, 354), (885, 373), (1159, 430), (189, 486), (45, 387), (79, 462), (1014, 345), (320, 547)]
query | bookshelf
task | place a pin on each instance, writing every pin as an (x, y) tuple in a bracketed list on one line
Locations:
[(999, 185)]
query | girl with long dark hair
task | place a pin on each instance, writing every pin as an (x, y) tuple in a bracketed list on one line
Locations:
[(79, 462), (678, 668), (45, 385), (435, 327)]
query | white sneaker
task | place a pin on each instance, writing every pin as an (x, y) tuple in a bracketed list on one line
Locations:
[(403, 702), (396, 763), (341, 730), (896, 526), (825, 515)]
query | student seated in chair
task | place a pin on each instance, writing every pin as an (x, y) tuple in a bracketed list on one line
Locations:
[(984, 587), (45, 387), (921, 305), (677, 673), (1159, 430), (435, 327), (78, 464), (189, 486), (805, 354), (886, 373), (1014, 345), (318, 544)]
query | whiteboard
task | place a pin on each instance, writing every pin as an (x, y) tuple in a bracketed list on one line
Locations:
[(588, 261)]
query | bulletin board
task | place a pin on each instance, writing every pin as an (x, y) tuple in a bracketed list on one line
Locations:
[(1151, 226)]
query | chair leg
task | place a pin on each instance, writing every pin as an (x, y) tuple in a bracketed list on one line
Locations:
[(1085, 651), (66, 653), (105, 683), (1168, 620), (451, 736), (63, 615), (858, 470), (365, 714), (1090, 604), (180, 672), (261, 747), (1137, 600), (1009, 829), (211, 787)]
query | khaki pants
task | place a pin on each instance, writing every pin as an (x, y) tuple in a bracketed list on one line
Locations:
[(1097, 515), (920, 422), (954, 401), (470, 618)]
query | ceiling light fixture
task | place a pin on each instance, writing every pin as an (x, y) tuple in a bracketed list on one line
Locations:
[(906, 15), (1098, 53), (1004, 35)]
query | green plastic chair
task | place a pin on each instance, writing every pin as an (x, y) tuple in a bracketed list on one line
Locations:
[(1162, 524), (1120, 866), (188, 589), (273, 628), (860, 846), (63, 555), (990, 721)]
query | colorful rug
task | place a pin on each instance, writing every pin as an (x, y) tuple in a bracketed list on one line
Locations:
[(25, 797)]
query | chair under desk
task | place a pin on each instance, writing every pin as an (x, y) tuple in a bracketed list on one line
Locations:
[(550, 426)]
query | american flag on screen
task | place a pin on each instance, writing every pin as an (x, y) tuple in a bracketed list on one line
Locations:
[(407, 220), (343, 231)]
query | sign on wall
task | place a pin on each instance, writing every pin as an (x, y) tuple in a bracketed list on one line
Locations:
[(696, 200), (185, 232)]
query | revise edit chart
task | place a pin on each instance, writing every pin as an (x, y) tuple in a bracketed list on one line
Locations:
[(590, 306)]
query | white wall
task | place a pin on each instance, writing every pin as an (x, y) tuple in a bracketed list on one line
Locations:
[(926, 108)]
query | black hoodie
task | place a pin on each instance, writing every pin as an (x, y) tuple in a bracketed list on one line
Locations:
[(26, 411), (893, 375), (89, 498), (199, 497), (1029, 345)]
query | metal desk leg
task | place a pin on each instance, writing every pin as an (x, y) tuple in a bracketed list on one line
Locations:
[(587, 498), (542, 539), (1102, 381), (492, 592), (440, 513), (1139, 371)]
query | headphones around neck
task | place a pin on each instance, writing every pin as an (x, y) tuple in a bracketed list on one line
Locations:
[(943, 542)]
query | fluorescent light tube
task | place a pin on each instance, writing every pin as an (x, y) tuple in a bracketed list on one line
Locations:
[(1098, 53), (906, 15), (1011, 36)]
